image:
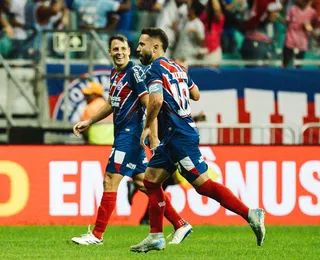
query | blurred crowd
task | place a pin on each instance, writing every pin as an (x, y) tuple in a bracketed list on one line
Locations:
[(199, 31)]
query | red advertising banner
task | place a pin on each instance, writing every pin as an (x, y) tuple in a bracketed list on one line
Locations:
[(62, 185)]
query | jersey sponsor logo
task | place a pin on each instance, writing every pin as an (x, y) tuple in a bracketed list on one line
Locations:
[(131, 166), (138, 74), (115, 101), (75, 103)]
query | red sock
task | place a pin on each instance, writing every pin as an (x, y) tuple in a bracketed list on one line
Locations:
[(105, 210), (224, 196), (156, 205), (172, 215)]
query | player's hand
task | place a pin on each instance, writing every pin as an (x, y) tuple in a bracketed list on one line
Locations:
[(81, 126), (145, 133), (154, 143)]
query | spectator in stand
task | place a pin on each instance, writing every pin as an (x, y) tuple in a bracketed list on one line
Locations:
[(93, 14), (41, 16), (300, 21), (257, 45), (172, 19), (17, 20), (6, 32), (213, 20), (102, 132), (125, 21), (191, 39), (316, 41), (201, 117), (233, 11), (5, 25), (149, 11)]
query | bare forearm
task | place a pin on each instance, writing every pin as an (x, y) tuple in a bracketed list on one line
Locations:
[(154, 128), (152, 112), (103, 112), (217, 9)]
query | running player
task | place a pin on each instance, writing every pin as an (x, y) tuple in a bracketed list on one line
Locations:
[(128, 98), (170, 88)]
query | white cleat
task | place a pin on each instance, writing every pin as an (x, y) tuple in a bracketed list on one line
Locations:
[(154, 241), (256, 222), (87, 239), (181, 233)]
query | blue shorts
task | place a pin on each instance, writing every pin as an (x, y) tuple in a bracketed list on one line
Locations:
[(127, 157), (180, 152)]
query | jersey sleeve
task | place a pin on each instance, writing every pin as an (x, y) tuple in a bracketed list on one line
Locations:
[(190, 83), (153, 76), (137, 81)]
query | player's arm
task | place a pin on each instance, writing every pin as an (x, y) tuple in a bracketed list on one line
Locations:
[(194, 93), (153, 108), (153, 138), (102, 113)]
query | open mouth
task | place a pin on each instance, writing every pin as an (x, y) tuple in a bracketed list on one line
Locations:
[(119, 58)]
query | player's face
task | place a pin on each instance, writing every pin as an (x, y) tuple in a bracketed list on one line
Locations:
[(144, 49), (119, 52)]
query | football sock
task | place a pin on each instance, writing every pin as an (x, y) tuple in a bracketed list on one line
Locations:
[(156, 206), (224, 196), (172, 215), (105, 210)]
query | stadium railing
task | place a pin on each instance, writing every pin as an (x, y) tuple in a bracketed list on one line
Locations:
[(220, 133), (309, 134)]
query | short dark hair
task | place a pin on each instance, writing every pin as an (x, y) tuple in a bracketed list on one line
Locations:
[(197, 7), (119, 37), (157, 33)]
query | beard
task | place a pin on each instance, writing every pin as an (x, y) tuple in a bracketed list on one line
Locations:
[(146, 59)]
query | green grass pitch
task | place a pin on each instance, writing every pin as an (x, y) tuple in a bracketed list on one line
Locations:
[(206, 242)]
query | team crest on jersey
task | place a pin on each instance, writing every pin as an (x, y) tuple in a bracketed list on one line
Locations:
[(76, 103), (119, 85)]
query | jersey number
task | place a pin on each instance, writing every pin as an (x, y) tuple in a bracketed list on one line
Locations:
[(181, 96)]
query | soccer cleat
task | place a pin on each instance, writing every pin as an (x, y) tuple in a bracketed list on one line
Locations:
[(87, 239), (256, 222), (181, 233), (154, 241)]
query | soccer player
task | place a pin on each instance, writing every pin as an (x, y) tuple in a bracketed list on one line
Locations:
[(170, 88), (127, 100)]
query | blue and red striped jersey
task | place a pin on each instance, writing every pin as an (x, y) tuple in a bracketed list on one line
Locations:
[(126, 89), (175, 111)]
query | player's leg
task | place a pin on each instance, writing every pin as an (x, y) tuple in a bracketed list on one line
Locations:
[(170, 213), (194, 169), (108, 201), (255, 217), (152, 182), (107, 205)]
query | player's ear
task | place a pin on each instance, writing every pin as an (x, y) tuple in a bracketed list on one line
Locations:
[(129, 51), (156, 47), (109, 50)]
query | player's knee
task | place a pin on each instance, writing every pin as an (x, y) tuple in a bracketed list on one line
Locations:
[(106, 182), (140, 185), (150, 185)]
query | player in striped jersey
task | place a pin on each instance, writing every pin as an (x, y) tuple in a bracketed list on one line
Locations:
[(170, 89), (128, 98)]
